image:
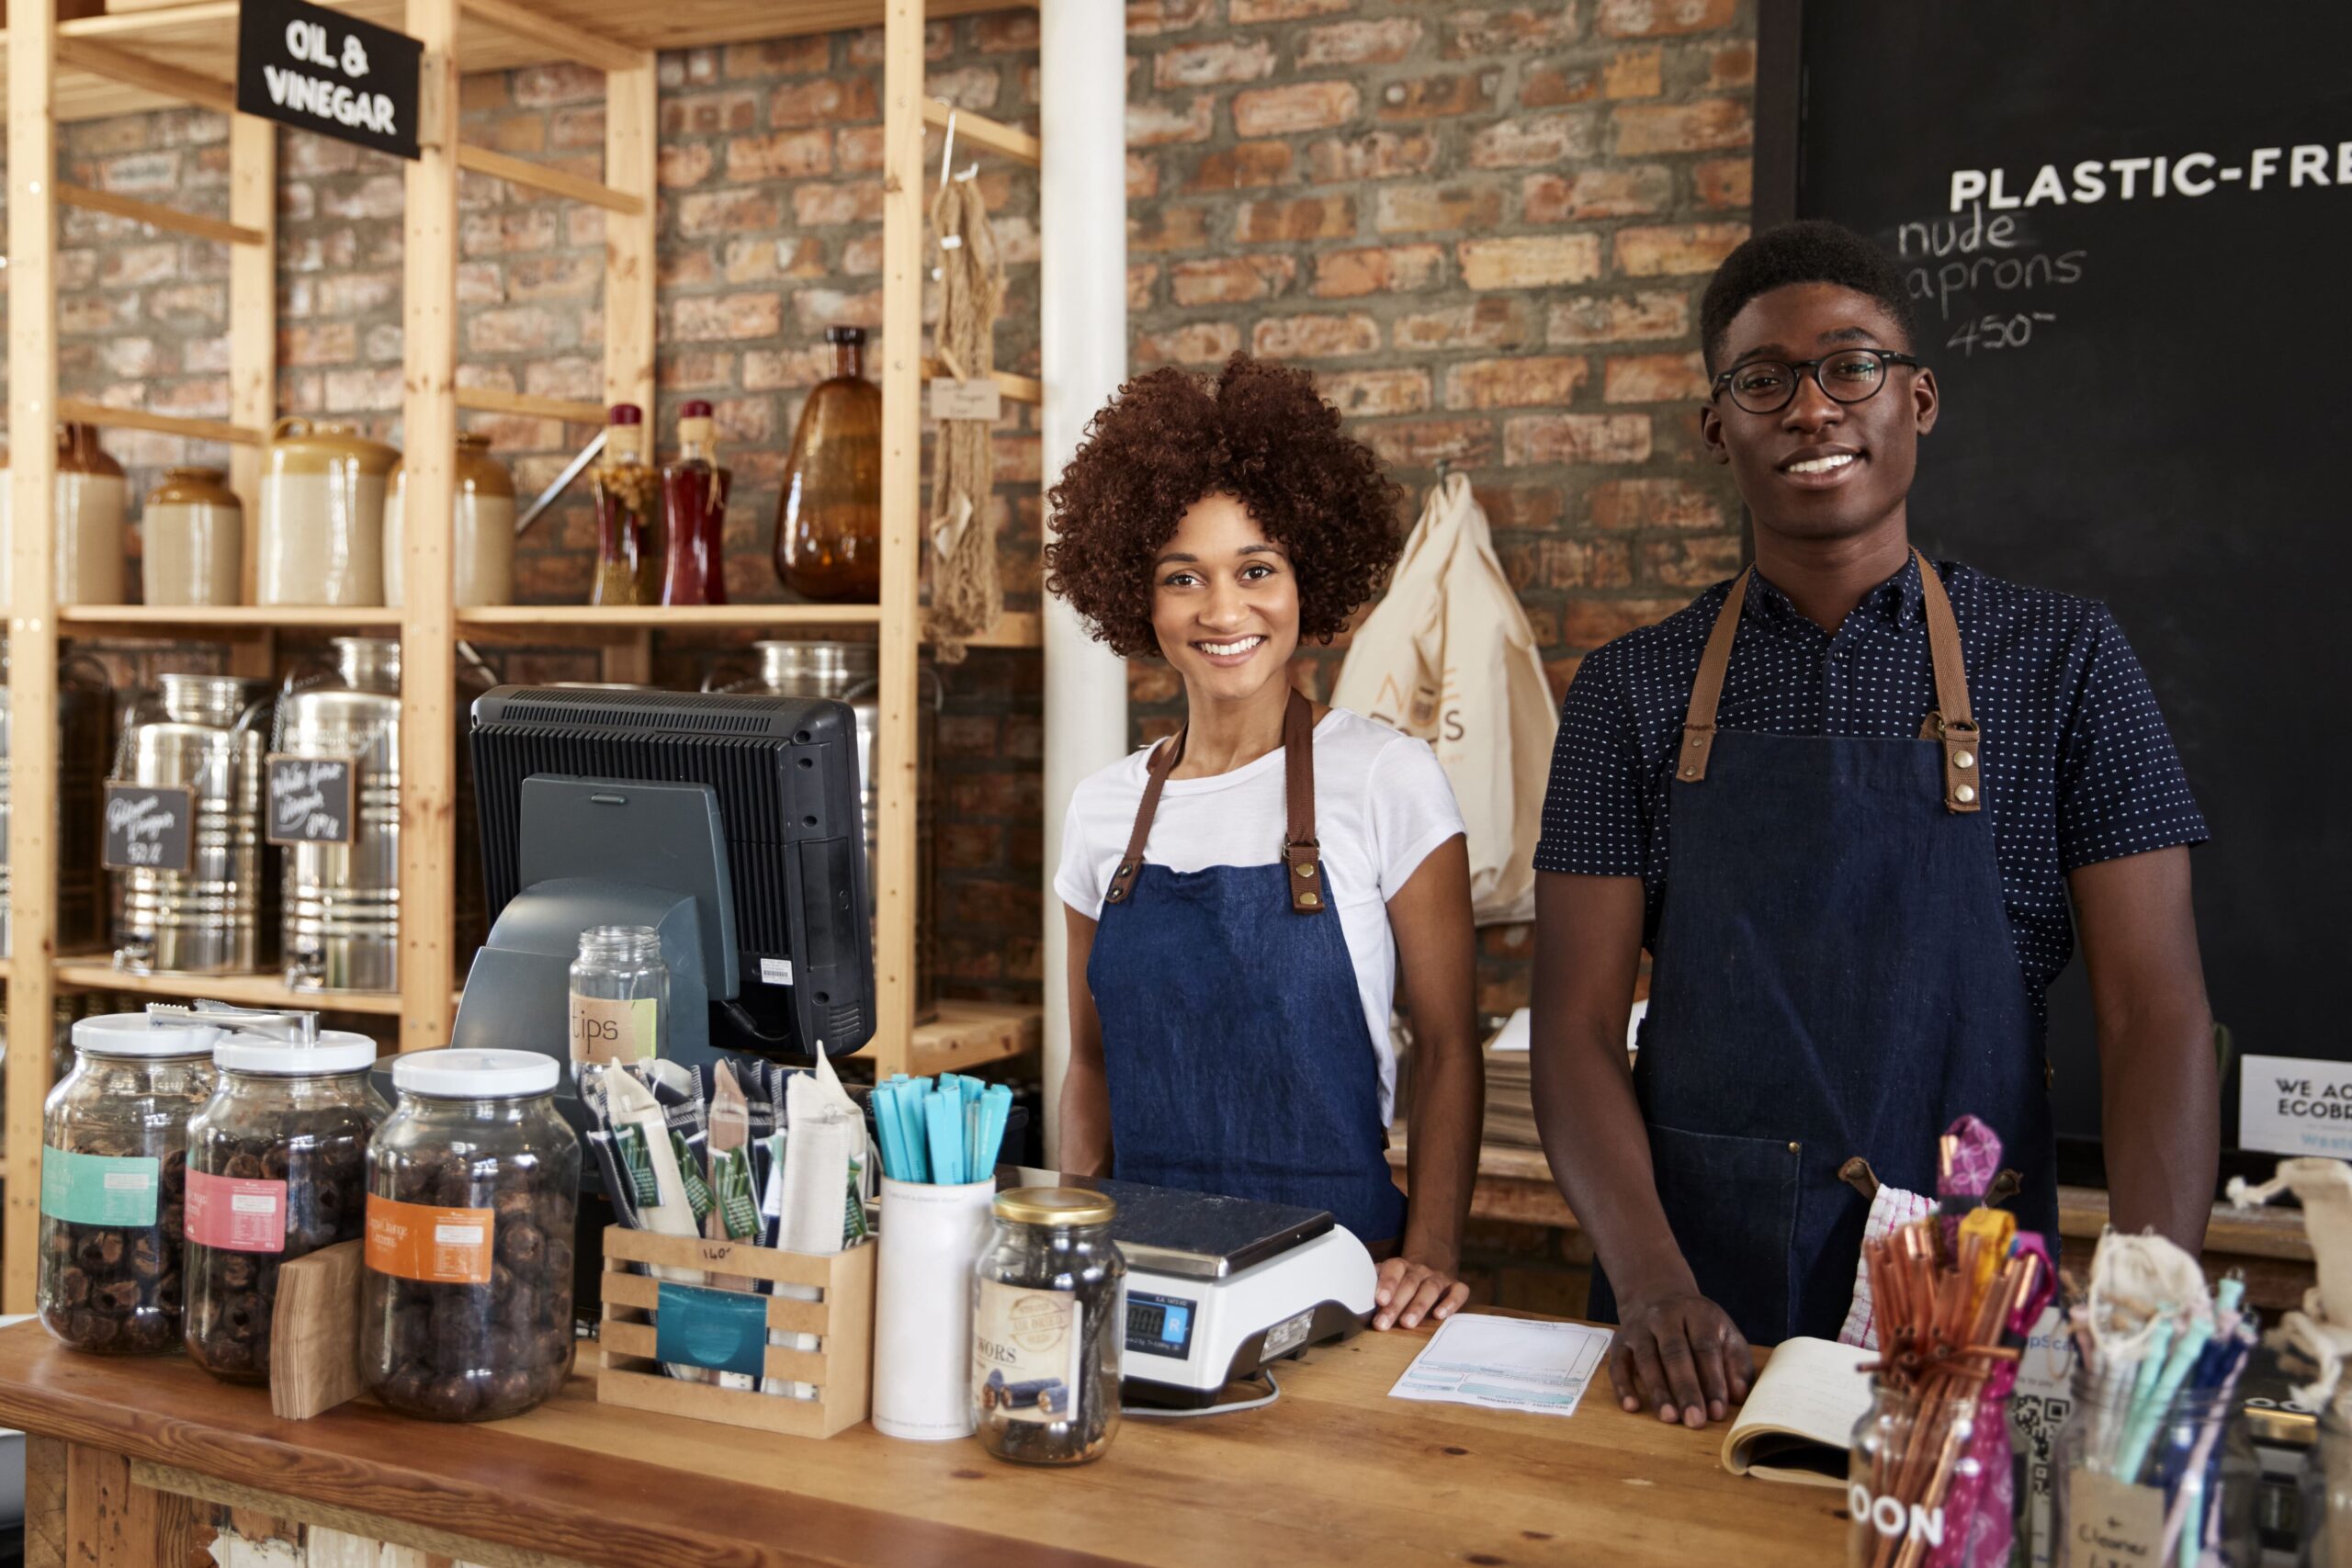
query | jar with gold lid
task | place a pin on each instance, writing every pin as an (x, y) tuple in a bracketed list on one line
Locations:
[(194, 531), (1047, 1326), (482, 545)]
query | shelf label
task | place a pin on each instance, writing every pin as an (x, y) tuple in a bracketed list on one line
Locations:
[(148, 827), (980, 400), (311, 799), (321, 70)]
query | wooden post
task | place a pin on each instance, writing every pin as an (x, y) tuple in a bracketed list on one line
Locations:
[(632, 140), (253, 347), (429, 421), (33, 627), (902, 356)]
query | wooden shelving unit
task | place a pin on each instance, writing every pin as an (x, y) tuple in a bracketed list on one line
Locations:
[(144, 55)]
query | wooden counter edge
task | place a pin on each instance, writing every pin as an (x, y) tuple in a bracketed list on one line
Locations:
[(493, 1482)]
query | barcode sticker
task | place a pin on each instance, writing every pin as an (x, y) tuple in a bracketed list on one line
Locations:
[(776, 971)]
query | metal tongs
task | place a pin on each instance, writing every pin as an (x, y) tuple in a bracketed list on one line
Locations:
[(289, 1026)]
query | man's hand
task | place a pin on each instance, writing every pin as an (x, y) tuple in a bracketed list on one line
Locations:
[(1409, 1292), (1680, 1355)]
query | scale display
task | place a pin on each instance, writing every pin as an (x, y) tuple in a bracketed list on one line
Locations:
[(1160, 1325)]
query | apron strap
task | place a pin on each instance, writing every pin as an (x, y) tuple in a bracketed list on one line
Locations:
[(1301, 851), (1951, 723)]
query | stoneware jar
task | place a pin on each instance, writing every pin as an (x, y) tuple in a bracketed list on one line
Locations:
[(194, 529), (321, 539), (93, 498), (481, 553)]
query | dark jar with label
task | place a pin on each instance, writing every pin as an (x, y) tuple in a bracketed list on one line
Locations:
[(113, 1181), (1047, 1328), (277, 1170), (828, 513), (473, 1182), (694, 513)]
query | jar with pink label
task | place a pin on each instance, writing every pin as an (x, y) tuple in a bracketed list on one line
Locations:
[(276, 1169)]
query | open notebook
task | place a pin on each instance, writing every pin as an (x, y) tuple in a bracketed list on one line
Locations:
[(1801, 1413)]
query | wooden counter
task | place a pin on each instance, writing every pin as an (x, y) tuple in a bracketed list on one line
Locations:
[(155, 1459)]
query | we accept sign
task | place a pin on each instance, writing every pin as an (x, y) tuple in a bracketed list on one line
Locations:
[(318, 70)]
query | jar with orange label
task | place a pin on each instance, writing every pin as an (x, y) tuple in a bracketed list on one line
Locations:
[(473, 1183)]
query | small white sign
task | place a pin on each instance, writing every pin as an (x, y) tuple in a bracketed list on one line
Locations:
[(966, 400), (776, 971), (2295, 1105)]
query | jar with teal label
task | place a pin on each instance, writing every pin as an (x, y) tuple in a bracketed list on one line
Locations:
[(113, 1181)]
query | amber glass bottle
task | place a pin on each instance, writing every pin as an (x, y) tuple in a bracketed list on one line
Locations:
[(829, 516)]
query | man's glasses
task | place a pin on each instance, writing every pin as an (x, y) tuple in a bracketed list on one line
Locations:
[(1849, 376)]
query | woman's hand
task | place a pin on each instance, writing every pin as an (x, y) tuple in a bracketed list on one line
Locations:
[(1409, 1292), (1678, 1354)]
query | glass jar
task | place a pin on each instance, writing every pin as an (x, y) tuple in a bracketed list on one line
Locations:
[(1046, 1328), (627, 565), (465, 1310), (2127, 1489), (620, 995), (694, 513), (829, 510), (276, 1169), (113, 1176), (1920, 1471)]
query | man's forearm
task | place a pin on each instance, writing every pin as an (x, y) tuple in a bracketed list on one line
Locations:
[(1600, 1152), (2162, 1126), (1442, 1156)]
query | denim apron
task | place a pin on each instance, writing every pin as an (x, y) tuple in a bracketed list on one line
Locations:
[(1833, 976), (1233, 1035)]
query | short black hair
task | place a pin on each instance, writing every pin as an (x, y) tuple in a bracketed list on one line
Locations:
[(1811, 251)]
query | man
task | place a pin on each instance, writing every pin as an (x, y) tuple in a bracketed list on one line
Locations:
[(1848, 837)]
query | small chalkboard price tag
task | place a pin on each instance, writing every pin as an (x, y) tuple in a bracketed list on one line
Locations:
[(149, 827), (318, 70), (311, 800)]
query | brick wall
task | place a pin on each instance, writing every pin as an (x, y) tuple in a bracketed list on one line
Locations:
[(1483, 226)]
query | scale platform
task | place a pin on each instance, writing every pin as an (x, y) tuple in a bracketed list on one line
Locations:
[(1220, 1288)]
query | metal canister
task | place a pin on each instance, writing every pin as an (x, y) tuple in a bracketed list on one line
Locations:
[(84, 714), (343, 913), (849, 673), (209, 919)]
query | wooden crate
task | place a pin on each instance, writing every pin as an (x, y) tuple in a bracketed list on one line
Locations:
[(843, 1319)]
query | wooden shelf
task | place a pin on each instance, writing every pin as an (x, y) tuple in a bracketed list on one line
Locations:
[(200, 40), (245, 990), (968, 1034), (255, 619)]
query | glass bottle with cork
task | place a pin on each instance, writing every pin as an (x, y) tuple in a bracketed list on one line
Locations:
[(694, 513), (627, 566), (829, 514)]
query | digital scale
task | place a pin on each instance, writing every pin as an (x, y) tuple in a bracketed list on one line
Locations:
[(1221, 1288)]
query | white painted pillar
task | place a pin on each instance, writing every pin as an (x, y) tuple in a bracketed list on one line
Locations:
[(1082, 63)]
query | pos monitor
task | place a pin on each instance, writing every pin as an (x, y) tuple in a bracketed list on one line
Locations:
[(731, 825)]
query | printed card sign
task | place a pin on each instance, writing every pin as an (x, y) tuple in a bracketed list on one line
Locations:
[(311, 798), (149, 827), (966, 400), (318, 70), (2295, 1105)]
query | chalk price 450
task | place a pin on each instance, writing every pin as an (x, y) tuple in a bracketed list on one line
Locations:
[(1997, 331)]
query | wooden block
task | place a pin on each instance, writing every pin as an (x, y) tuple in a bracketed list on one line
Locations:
[(314, 1334)]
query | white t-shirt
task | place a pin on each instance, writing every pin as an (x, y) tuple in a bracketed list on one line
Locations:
[(1382, 804)]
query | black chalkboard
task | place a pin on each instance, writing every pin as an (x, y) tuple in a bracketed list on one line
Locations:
[(2143, 395), (310, 799), (147, 827)]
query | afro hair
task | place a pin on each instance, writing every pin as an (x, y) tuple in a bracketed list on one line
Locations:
[(1813, 251)]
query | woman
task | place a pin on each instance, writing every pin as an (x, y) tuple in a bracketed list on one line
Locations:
[(1240, 895)]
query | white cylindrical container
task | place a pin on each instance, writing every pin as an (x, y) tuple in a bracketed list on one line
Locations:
[(932, 1239)]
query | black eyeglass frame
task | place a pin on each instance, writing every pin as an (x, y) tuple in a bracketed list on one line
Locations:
[(1799, 369)]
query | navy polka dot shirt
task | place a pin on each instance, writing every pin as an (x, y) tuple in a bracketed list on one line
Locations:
[(2079, 767)]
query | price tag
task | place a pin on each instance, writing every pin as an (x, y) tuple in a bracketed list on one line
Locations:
[(966, 400), (311, 799), (149, 827)]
